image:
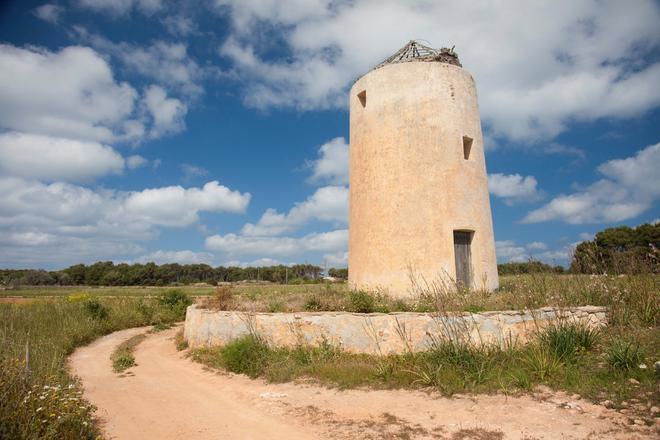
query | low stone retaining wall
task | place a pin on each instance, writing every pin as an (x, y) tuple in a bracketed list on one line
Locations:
[(378, 333)]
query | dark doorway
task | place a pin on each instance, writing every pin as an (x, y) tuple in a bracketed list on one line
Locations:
[(463, 257)]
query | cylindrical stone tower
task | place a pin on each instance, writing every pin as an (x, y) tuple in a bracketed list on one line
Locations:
[(419, 201)]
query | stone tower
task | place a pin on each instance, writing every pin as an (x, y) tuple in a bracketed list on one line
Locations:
[(418, 187)]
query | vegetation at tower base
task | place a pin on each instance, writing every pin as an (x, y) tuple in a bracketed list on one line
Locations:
[(620, 250), (40, 400), (614, 363)]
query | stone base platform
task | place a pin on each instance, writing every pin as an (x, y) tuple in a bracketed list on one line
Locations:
[(379, 333)]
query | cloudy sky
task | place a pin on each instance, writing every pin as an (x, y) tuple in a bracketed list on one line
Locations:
[(216, 131)]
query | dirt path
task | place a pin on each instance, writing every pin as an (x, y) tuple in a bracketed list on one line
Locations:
[(167, 396)]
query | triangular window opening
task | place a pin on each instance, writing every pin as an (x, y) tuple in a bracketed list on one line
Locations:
[(362, 96), (467, 147)]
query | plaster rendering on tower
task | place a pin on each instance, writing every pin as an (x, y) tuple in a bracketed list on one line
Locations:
[(419, 206)]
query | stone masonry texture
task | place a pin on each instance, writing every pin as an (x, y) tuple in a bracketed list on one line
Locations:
[(378, 333)]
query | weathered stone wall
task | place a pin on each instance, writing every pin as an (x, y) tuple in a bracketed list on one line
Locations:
[(377, 333)]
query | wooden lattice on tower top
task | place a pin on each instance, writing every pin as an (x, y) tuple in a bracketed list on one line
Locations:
[(416, 51)]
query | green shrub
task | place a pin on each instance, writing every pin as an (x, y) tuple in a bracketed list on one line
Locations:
[(313, 304), (566, 339), (146, 310), (122, 357), (361, 302), (174, 299), (123, 362), (180, 341), (175, 302), (161, 326), (275, 305), (624, 355), (95, 309), (541, 363), (246, 355)]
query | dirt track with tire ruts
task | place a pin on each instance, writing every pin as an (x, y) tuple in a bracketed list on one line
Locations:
[(167, 396)]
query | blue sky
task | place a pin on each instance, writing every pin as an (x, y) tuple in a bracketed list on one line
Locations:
[(216, 131)]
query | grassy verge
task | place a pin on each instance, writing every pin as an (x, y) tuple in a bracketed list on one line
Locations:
[(40, 400), (631, 298), (122, 357), (570, 358), (614, 366)]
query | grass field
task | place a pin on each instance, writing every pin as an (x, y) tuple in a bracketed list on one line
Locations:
[(41, 401), (153, 291)]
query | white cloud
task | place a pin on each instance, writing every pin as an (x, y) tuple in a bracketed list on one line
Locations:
[(49, 12), (337, 259), (135, 161), (181, 257), (62, 219), (586, 236), (513, 187), (75, 208), (192, 171), (169, 64), (177, 206), (332, 165), (328, 204), (553, 257), (581, 60), (167, 113), (566, 150), (630, 186), (87, 103), (179, 25), (50, 158), (536, 246), (240, 245), (509, 251), (121, 7)]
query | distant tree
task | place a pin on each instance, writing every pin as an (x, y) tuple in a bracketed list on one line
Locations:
[(35, 278), (338, 273), (76, 273), (620, 250)]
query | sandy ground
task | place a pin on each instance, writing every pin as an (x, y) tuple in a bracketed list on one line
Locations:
[(166, 396)]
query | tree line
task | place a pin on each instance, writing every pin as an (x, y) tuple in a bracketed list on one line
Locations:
[(528, 267), (619, 250), (107, 273)]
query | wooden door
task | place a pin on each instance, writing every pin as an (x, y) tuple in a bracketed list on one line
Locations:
[(463, 258)]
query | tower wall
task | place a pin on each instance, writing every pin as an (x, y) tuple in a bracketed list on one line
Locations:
[(410, 184)]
